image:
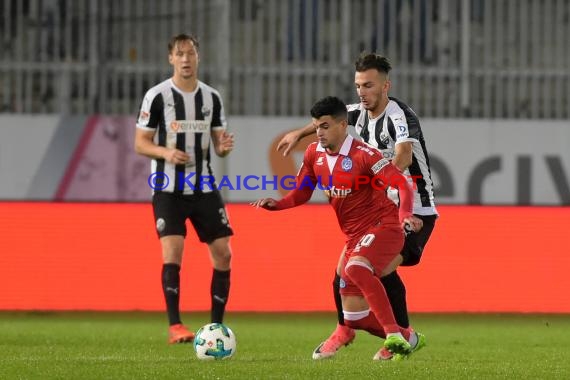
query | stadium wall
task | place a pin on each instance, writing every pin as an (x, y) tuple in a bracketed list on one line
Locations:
[(483, 162), (105, 256)]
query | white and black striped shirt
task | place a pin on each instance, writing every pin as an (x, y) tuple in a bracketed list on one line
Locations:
[(398, 123), (183, 120)]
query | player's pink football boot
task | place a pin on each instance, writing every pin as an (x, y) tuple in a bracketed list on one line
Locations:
[(383, 354), (179, 334), (342, 336)]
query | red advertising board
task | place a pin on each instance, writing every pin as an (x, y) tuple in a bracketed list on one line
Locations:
[(85, 256)]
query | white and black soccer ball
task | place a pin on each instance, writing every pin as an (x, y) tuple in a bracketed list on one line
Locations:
[(215, 341)]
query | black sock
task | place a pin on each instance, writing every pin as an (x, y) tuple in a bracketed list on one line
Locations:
[(219, 291), (337, 299), (171, 290), (396, 291)]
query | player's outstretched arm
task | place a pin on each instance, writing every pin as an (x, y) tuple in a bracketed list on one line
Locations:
[(291, 139), (266, 203), (306, 182), (296, 197), (392, 176)]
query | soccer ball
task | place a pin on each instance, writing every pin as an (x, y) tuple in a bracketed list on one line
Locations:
[(215, 341)]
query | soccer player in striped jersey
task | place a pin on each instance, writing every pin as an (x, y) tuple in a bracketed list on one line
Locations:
[(355, 176), (177, 120), (391, 126)]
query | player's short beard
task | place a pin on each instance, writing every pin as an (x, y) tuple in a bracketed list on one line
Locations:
[(372, 107)]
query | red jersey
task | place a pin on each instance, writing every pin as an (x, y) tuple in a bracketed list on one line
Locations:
[(355, 182)]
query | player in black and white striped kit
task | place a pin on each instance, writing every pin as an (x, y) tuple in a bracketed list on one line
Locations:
[(391, 126), (177, 120)]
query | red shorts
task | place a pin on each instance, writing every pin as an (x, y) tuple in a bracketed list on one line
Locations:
[(380, 245)]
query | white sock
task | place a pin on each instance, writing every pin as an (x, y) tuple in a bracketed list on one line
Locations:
[(355, 315)]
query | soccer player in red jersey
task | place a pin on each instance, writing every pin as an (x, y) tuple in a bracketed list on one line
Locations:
[(394, 128), (355, 177)]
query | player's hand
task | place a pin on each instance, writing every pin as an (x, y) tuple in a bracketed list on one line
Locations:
[(176, 157), (412, 223), (266, 203), (288, 142), (225, 144)]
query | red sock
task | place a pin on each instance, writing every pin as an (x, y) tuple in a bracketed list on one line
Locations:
[(406, 333), (368, 323), (375, 295)]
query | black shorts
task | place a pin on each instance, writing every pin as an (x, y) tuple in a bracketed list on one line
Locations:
[(206, 211), (415, 242)]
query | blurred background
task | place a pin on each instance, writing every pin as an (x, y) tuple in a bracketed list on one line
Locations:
[(502, 59), (490, 81)]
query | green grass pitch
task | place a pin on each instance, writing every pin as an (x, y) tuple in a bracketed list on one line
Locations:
[(82, 345)]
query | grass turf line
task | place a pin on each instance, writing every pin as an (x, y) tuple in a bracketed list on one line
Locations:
[(85, 345)]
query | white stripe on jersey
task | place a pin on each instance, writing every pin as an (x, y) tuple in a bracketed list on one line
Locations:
[(172, 113), (386, 140)]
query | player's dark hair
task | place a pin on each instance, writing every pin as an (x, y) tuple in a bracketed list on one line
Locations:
[(367, 61), (181, 38), (329, 106)]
